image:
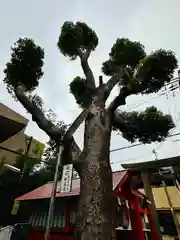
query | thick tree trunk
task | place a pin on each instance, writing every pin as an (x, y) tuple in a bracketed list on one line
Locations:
[(96, 210)]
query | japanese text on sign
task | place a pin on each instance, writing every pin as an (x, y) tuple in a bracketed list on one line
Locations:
[(66, 178), (15, 208)]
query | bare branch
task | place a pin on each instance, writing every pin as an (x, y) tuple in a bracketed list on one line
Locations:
[(37, 115), (77, 122), (48, 127), (124, 93), (120, 99), (112, 82), (76, 159), (72, 153), (87, 70)]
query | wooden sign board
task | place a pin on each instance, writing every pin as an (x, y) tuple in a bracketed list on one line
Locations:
[(15, 208), (66, 180)]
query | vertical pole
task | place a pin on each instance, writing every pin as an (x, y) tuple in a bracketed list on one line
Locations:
[(176, 183), (154, 234), (136, 219), (26, 155), (172, 209), (53, 194), (149, 194)]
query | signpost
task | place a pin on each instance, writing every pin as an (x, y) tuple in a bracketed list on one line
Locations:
[(66, 178)]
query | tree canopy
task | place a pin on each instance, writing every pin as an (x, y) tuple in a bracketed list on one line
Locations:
[(129, 66), (134, 72), (76, 39)]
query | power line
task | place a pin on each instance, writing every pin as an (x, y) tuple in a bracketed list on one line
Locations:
[(125, 147), (142, 102), (176, 120), (127, 160), (130, 159), (171, 131), (138, 144), (164, 92)]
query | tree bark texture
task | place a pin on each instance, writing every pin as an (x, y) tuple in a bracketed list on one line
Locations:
[(96, 207)]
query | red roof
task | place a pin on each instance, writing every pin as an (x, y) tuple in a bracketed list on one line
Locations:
[(45, 190)]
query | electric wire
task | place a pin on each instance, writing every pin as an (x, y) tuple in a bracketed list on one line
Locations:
[(161, 93), (164, 92), (171, 131), (138, 144), (176, 121)]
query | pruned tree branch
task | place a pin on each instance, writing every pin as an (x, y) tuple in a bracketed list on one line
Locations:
[(37, 115), (87, 70), (48, 127), (124, 93), (120, 99), (76, 159), (112, 82)]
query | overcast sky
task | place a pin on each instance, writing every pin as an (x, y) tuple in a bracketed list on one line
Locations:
[(153, 23)]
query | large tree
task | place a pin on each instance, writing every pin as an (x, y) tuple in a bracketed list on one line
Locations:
[(129, 68)]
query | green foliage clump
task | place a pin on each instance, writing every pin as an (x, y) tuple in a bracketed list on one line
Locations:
[(25, 66), (142, 74), (146, 126), (155, 70), (124, 53), (78, 89), (146, 73), (76, 38)]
